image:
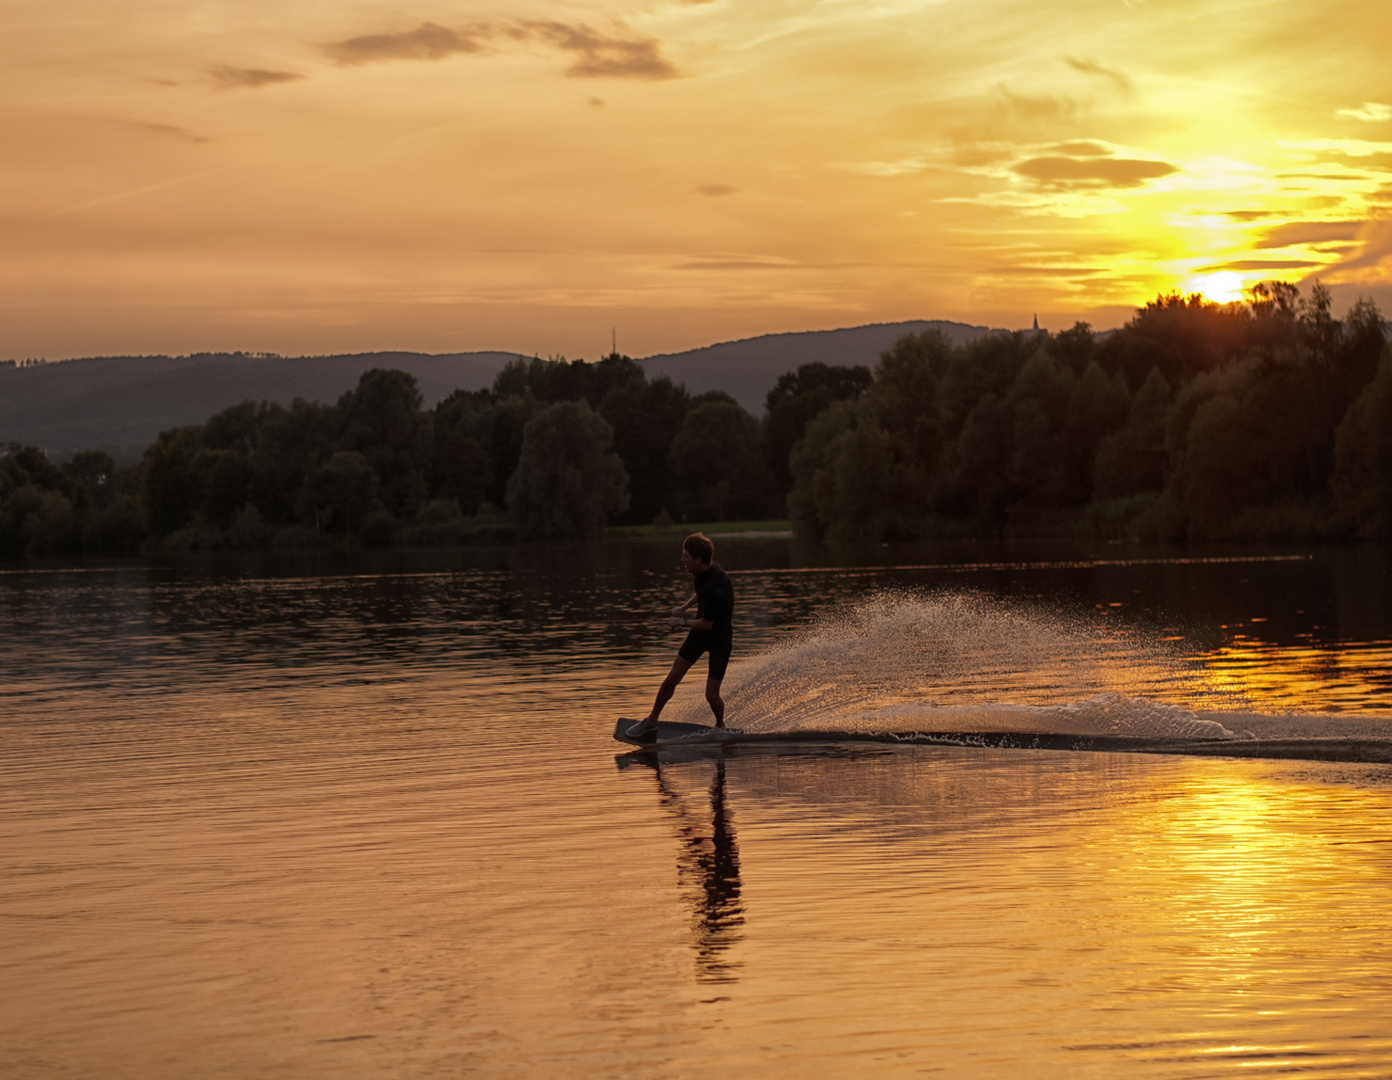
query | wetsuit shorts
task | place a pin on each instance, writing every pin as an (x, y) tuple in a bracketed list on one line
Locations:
[(699, 641)]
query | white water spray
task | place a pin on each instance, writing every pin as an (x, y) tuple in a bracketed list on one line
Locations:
[(952, 662)]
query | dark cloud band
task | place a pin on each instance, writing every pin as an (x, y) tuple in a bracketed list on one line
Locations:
[(1093, 172), (252, 78), (595, 54)]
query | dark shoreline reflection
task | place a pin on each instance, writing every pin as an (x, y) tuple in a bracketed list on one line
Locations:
[(708, 868)]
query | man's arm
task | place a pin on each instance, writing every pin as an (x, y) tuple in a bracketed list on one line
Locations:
[(680, 619)]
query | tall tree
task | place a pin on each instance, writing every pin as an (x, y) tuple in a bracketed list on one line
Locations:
[(568, 480)]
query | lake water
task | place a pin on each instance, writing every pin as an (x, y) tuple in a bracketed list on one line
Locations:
[(365, 817)]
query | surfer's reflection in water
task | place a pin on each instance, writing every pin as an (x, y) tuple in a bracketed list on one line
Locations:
[(708, 868)]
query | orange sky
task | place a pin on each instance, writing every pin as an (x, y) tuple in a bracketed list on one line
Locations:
[(305, 177)]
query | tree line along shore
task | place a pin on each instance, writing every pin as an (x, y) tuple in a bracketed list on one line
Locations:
[(1262, 420)]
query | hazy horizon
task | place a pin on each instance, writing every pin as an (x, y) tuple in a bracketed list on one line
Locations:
[(598, 353)]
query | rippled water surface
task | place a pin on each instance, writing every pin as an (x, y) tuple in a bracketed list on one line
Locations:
[(365, 818)]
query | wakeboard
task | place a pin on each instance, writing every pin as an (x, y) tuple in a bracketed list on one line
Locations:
[(672, 733)]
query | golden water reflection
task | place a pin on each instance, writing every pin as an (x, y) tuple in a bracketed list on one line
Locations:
[(1276, 677), (1178, 917)]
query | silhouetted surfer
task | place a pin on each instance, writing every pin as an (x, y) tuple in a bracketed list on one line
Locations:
[(712, 631)]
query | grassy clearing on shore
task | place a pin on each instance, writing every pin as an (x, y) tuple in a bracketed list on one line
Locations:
[(678, 530)]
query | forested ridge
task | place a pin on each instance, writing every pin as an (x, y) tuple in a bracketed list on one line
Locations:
[(1264, 420)]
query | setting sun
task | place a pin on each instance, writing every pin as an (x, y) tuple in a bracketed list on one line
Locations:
[(1223, 287)]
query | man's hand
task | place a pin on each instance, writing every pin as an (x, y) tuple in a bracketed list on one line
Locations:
[(676, 621), (678, 612)]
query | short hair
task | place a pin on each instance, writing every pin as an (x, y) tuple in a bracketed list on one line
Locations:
[(700, 547)]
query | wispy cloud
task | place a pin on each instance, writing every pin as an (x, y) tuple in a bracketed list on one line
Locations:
[(600, 56), (734, 262), (1371, 111), (1308, 232), (1271, 265), (1097, 71), (1034, 106), (717, 190), (171, 131), (1374, 251), (426, 42), (902, 167), (596, 54), (252, 78)]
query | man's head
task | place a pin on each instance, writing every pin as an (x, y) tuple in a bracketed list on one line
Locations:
[(697, 552)]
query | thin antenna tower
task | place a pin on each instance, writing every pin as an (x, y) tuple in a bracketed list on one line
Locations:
[(613, 341)]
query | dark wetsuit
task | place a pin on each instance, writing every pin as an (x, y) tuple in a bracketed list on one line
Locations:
[(715, 600)]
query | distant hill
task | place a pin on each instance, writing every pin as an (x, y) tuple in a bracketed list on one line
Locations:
[(120, 403), (747, 370)]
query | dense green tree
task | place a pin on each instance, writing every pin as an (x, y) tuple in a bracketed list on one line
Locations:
[(1134, 459), (646, 417), (850, 479), (800, 395), (975, 484), (291, 444), (1183, 336), (222, 479), (988, 365), (382, 420), (462, 468), (92, 476), (25, 465), (716, 465), (504, 435), (560, 380), (568, 481), (906, 393), (237, 428), (84, 505), (340, 494), (1362, 479), (170, 490)]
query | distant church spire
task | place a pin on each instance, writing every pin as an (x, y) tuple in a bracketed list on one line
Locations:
[(1036, 322)]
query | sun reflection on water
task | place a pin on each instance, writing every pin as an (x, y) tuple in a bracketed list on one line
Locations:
[(1307, 678)]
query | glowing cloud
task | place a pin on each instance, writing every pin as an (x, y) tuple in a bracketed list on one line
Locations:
[(1372, 112)]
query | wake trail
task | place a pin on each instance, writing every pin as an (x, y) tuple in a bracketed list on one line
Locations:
[(969, 669)]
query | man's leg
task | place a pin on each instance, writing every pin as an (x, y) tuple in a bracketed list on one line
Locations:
[(680, 666), (714, 700)]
